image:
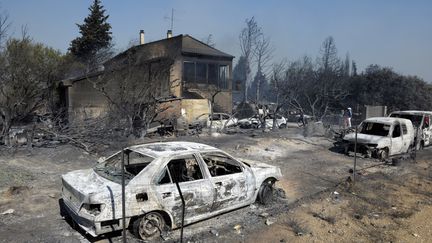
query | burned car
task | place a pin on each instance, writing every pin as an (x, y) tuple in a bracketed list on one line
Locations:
[(211, 182), (381, 137), (254, 122), (217, 121), (421, 123)]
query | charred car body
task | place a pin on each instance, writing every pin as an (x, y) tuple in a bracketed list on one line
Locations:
[(382, 137), (255, 122), (211, 182), (421, 122)]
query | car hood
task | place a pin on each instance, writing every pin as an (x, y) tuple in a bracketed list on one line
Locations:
[(364, 138), (263, 169)]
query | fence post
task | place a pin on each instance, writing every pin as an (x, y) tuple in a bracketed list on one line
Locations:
[(355, 155)]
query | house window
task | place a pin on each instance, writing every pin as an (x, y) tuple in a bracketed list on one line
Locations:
[(206, 73), (201, 72), (212, 74), (189, 71), (223, 76)]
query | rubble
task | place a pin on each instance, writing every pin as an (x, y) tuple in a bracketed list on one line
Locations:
[(214, 232), (9, 211), (270, 221), (237, 228)]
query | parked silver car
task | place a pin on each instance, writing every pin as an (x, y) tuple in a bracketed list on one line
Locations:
[(211, 182)]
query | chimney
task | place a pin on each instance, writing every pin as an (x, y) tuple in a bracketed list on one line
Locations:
[(169, 34), (142, 37)]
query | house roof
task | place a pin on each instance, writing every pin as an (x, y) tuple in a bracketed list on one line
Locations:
[(189, 46)]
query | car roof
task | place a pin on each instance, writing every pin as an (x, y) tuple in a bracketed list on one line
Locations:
[(170, 148), (386, 120), (412, 112)]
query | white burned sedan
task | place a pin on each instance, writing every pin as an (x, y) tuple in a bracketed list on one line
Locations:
[(211, 182)]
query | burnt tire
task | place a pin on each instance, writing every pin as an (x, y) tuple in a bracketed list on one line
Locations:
[(265, 193), (149, 226), (420, 146), (282, 126), (383, 154)]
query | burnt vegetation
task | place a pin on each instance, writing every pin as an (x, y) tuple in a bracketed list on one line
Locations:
[(319, 86)]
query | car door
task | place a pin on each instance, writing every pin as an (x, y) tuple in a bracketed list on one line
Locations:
[(197, 189), (269, 121), (406, 141), (427, 131), (396, 140), (216, 121), (229, 179), (226, 121)]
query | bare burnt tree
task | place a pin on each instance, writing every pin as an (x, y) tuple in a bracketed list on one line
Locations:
[(248, 39), (301, 79), (280, 87), (4, 27), (133, 89), (213, 90), (263, 53), (330, 85)]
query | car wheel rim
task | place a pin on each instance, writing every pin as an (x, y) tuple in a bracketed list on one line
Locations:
[(267, 192), (150, 225)]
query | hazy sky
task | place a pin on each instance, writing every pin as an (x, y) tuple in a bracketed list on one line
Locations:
[(386, 32)]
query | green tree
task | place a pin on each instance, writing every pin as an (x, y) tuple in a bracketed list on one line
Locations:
[(95, 35)]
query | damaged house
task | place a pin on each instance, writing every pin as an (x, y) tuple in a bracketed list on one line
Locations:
[(183, 73)]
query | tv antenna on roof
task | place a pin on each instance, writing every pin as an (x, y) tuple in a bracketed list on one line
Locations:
[(171, 19)]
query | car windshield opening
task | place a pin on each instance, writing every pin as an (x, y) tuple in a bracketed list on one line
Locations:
[(373, 128), (134, 163)]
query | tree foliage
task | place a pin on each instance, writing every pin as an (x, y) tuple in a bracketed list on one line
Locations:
[(27, 70), (382, 86), (95, 34)]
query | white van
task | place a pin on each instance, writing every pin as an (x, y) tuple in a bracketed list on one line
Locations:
[(382, 137), (421, 122)]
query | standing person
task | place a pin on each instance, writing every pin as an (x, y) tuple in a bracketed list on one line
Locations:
[(301, 117), (347, 117)]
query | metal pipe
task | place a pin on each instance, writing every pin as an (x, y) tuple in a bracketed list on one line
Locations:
[(183, 203), (355, 155), (183, 211), (123, 197)]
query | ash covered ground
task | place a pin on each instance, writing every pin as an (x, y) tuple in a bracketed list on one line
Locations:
[(306, 207)]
